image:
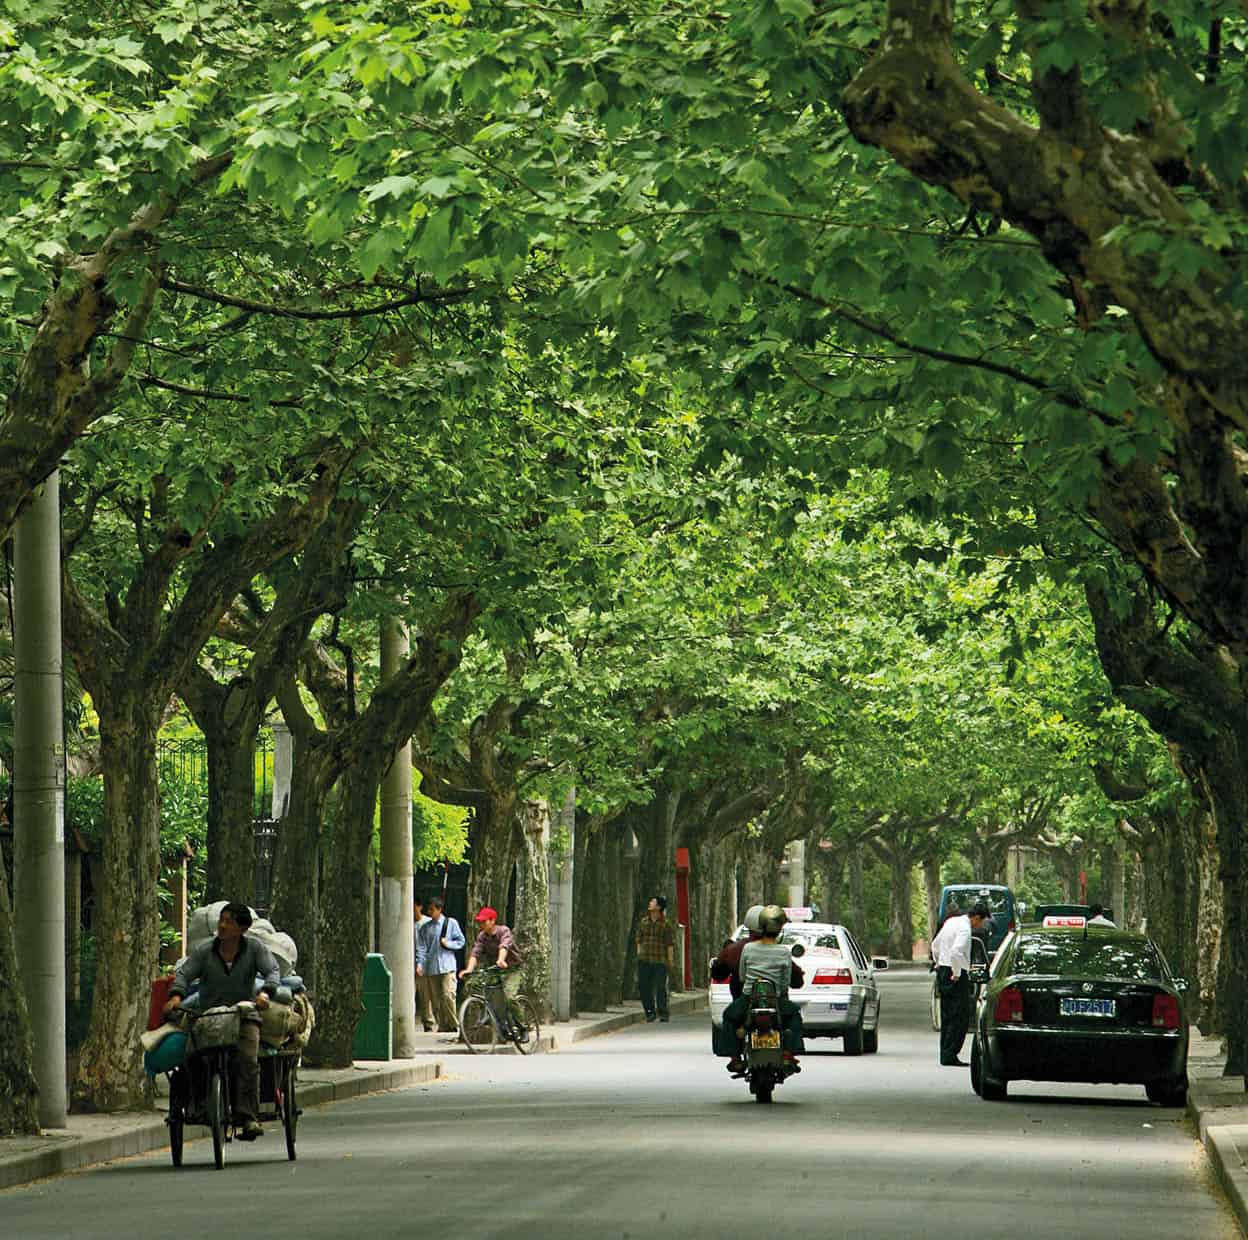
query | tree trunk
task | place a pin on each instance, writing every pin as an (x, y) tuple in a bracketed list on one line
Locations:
[(711, 877), (231, 869), (591, 919), (656, 873), (492, 849), (19, 1092), (1209, 924), (830, 866), (756, 877), (932, 887), (857, 897), (127, 919), (900, 919), (533, 900), (296, 868), (345, 935)]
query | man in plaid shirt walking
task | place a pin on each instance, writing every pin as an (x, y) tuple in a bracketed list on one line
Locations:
[(655, 942)]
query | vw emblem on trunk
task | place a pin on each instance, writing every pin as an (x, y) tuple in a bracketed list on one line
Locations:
[(1087, 988)]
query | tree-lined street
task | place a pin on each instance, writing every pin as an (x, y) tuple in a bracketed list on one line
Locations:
[(641, 1133)]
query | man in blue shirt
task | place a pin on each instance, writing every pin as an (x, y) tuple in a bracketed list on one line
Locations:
[(437, 940)]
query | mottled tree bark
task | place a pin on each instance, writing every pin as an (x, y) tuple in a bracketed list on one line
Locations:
[(493, 846), (297, 865), (1179, 688), (110, 1074), (900, 916), (533, 900), (592, 946), (19, 1091)]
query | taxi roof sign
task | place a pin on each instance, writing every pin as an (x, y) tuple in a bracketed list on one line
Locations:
[(1064, 919), (799, 914)]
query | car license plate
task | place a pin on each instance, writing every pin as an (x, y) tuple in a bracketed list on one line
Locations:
[(1088, 1007), (762, 1041)]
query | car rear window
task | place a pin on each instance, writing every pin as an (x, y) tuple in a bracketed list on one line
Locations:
[(1093, 956), (964, 901), (812, 940)]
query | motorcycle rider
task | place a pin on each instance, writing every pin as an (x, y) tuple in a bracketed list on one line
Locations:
[(767, 959)]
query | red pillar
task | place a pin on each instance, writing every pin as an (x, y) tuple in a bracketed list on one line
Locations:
[(682, 908)]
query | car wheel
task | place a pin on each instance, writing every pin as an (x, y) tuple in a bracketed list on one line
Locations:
[(853, 1039), (1168, 1095), (977, 1069), (935, 1007), (871, 1040), (992, 1091)]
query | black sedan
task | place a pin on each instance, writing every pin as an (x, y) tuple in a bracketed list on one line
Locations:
[(1081, 1003)]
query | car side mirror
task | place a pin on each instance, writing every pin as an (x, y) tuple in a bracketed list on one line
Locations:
[(879, 963), (797, 950), (1182, 985)]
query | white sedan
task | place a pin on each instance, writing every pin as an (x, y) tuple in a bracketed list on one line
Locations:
[(839, 998)]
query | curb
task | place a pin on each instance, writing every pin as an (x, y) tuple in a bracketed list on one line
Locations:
[(1226, 1157), (153, 1135), (1224, 1134), (621, 1020)]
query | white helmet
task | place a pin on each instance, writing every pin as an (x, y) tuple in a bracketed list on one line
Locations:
[(752, 915)]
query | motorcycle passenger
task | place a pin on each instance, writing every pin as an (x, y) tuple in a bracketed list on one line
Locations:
[(226, 968), (724, 966), (724, 969), (769, 960)]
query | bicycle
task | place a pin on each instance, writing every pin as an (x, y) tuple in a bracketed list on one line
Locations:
[(485, 1015), (199, 1088)]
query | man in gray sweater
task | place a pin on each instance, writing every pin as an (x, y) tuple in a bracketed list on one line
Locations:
[(226, 968)]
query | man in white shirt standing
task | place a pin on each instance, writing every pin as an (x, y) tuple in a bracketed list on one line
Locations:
[(951, 952)]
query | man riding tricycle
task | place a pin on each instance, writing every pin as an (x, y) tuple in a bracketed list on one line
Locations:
[(225, 1077)]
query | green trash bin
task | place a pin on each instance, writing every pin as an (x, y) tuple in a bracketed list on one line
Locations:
[(374, 1032)]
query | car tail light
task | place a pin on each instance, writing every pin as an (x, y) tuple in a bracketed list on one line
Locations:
[(1009, 1005), (762, 1020), (1009, 929), (832, 977), (1165, 1012)]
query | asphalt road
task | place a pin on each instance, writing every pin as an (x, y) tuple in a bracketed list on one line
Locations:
[(642, 1134)]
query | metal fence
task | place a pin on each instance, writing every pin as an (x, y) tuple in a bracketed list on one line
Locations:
[(186, 761)]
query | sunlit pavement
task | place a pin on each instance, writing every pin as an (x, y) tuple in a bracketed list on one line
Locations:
[(642, 1133)]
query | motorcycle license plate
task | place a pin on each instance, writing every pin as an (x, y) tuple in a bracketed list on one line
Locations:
[(764, 1041)]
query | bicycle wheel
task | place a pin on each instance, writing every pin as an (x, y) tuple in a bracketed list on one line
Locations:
[(176, 1120), (526, 1026), (477, 1027), (216, 1116), (290, 1111)]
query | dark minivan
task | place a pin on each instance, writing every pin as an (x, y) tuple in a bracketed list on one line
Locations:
[(960, 898)]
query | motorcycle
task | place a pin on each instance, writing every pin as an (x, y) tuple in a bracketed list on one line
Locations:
[(763, 1051)]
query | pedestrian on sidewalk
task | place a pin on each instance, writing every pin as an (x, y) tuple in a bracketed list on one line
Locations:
[(655, 943), (438, 938), (951, 953)]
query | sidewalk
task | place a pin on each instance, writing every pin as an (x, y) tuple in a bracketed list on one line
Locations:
[(90, 1139), (1219, 1107)]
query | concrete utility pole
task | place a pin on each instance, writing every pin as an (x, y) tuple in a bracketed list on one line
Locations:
[(560, 903), (39, 790), (283, 767), (797, 873), (396, 863)]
